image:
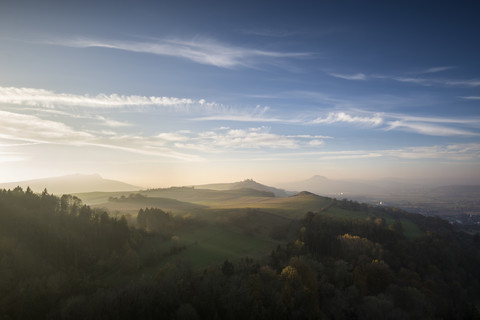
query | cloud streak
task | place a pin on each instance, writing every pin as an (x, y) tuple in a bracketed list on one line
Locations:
[(431, 126), (429, 129), (465, 83), (450, 152), (357, 76), (22, 127), (182, 145), (333, 117), (471, 98), (200, 50), (437, 69), (248, 139), (455, 152), (28, 128), (50, 99)]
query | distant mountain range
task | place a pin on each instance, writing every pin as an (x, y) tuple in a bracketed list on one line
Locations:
[(393, 191), (76, 183)]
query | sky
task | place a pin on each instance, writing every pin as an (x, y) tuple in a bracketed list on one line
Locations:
[(162, 93)]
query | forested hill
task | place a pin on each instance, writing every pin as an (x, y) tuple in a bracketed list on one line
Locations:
[(60, 259)]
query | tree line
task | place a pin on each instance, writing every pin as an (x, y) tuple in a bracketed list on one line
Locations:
[(55, 254)]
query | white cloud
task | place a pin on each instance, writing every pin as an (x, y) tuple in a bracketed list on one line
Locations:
[(403, 117), (16, 126), (244, 139), (429, 129), (462, 83), (248, 139), (352, 156), (242, 118), (471, 98), (199, 50), (413, 80), (433, 126), (308, 136), (50, 99), (257, 114), (10, 157), (456, 152), (468, 83), (149, 151), (21, 127), (268, 33), (113, 123), (374, 120), (357, 76), (316, 143), (453, 152), (437, 69), (172, 136)]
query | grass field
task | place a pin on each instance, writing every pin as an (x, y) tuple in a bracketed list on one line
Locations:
[(211, 244), (226, 206), (410, 229)]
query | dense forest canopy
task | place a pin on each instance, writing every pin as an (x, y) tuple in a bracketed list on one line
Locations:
[(61, 259)]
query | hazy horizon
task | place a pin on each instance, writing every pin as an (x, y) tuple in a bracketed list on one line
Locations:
[(284, 184), (184, 93)]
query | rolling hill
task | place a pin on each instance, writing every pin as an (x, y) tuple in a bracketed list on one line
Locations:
[(246, 184)]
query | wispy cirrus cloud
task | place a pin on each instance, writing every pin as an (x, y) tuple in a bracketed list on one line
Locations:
[(57, 104), (183, 145), (200, 50), (35, 130), (6, 156), (50, 99), (448, 152), (426, 77), (432, 126), (357, 76), (471, 98), (271, 33), (437, 69), (104, 121), (22, 127), (409, 118), (248, 139), (416, 80), (112, 123), (258, 114), (469, 83), (333, 117), (429, 129), (455, 152), (465, 83), (354, 155)]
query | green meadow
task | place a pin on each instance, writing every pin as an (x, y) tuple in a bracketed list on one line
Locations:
[(229, 224)]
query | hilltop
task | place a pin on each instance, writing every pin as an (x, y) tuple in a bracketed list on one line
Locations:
[(246, 184)]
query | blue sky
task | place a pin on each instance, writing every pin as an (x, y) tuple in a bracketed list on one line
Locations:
[(183, 92)]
